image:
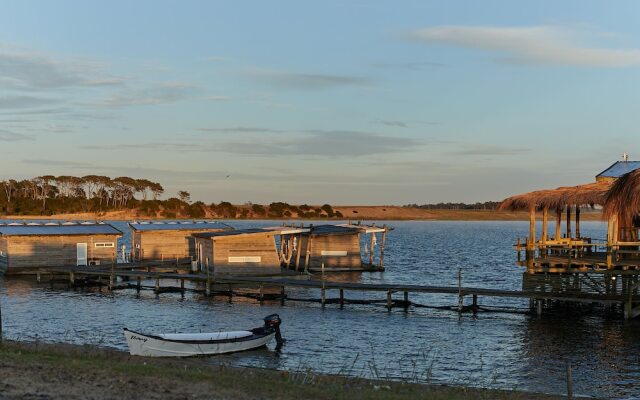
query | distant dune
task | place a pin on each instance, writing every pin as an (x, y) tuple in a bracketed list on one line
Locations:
[(349, 212)]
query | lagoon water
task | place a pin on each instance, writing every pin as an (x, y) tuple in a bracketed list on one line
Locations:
[(498, 350)]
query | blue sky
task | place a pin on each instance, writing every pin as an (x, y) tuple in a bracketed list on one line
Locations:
[(347, 102)]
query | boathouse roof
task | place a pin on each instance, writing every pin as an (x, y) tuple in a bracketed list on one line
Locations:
[(588, 194), (237, 232), (618, 168), (334, 230), (148, 226), (57, 229)]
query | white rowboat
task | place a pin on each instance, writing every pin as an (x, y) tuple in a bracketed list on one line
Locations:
[(203, 344)]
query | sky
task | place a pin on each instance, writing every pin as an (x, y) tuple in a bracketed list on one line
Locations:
[(341, 102)]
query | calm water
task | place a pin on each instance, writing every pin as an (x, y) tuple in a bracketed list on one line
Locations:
[(499, 350)]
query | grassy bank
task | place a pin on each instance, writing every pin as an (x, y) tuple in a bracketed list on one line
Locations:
[(79, 372)]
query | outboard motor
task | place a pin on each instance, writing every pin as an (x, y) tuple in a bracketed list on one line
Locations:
[(272, 323)]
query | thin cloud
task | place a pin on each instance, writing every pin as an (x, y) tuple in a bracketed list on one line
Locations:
[(59, 163), (490, 150), (37, 71), (158, 94), (305, 81), (218, 98), (532, 45), (13, 102), (411, 66), (10, 136), (332, 143), (241, 129)]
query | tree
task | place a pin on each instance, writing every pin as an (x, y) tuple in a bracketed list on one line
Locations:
[(156, 190), (184, 196)]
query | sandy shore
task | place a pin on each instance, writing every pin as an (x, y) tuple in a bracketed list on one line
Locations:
[(60, 371), (368, 213)]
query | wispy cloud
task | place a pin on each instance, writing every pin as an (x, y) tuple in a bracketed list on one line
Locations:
[(10, 136), (218, 98), (327, 143), (490, 150), (529, 45), (13, 102), (59, 163), (412, 66), (305, 81), (156, 94), (33, 70), (241, 129)]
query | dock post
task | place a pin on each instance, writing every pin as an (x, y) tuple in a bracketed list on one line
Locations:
[(569, 382), (38, 277), (261, 294), (460, 297), (72, 278), (282, 295), (157, 284), (475, 303), (389, 300), (371, 245), (539, 307), (111, 282), (322, 296), (384, 237), (182, 285), (138, 283), (341, 297), (406, 300)]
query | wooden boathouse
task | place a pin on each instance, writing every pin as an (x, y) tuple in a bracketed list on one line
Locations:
[(334, 248), (564, 261), (241, 252), (27, 246), (152, 241)]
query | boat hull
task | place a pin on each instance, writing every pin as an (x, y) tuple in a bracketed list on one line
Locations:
[(154, 346)]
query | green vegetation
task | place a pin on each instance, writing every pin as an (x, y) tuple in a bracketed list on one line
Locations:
[(52, 195), (67, 371), (487, 205)]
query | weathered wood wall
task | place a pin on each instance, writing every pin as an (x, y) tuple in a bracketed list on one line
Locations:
[(157, 245), (261, 245), (348, 243), (49, 251)]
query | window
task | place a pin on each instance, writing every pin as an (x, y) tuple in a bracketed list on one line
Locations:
[(105, 244)]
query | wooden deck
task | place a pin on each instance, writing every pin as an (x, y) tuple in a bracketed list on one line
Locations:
[(131, 277)]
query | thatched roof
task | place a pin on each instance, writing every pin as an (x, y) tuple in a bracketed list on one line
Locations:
[(623, 199), (588, 194)]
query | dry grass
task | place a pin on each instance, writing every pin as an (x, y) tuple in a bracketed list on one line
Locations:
[(78, 372)]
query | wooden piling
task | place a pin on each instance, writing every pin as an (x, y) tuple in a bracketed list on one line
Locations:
[(569, 382), (261, 295), (282, 295), (157, 284), (406, 299), (138, 283), (382, 241), (322, 296), (389, 300), (371, 245), (460, 297), (341, 297)]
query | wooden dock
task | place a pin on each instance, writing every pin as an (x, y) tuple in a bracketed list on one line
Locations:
[(131, 276)]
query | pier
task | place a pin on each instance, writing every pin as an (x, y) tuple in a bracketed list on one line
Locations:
[(131, 276)]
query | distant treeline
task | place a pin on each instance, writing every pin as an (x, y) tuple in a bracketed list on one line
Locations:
[(488, 205), (51, 195)]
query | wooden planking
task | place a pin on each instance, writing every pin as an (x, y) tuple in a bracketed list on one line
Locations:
[(349, 243), (167, 244), (220, 249), (43, 251)]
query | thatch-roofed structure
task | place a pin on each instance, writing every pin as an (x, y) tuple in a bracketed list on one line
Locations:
[(622, 202), (589, 194)]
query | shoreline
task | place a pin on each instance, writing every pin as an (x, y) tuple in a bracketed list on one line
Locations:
[(67, 371), (353, 213)]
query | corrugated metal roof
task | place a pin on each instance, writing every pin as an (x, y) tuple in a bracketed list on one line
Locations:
[(50, 229), (619, 168), (236, 232), (173, 226)]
